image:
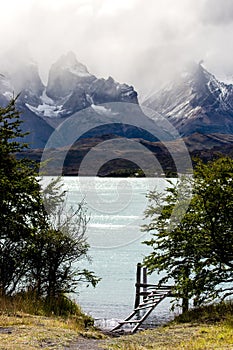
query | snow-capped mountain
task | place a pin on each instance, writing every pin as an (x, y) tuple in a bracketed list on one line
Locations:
[(20, 76), (196, 102), (23, 78), (70, 89)]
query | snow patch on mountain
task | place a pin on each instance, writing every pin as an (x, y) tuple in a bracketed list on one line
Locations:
[(46, 99), (195, 102), (46, 110), (103, 110), (70, 88)]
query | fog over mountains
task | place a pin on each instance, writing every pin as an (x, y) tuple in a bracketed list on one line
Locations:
[(196, 103), (70, 88)]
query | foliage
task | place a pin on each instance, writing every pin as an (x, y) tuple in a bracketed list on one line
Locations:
[(194, 249), (208, 314), (20, 202), (40, 241), (28, 302), (59, 247)]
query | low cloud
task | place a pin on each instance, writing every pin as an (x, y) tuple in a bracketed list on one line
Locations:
[(217, 12), (139, 42)]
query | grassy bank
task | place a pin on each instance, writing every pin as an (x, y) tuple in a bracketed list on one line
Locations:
[(189, 337), (27, 332), (28, 323), (205, 328)]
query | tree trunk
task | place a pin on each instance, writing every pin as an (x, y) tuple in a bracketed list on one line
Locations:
[(185, 300), (185, 304)]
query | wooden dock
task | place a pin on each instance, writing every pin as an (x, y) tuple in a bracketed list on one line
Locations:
[(147, 297)]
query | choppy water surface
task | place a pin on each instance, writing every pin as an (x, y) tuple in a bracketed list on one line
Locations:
[(116, 208)]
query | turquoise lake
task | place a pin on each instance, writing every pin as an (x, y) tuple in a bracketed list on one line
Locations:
[(116, 209)]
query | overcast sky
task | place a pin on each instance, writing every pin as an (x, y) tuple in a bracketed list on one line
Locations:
[(141, 42)]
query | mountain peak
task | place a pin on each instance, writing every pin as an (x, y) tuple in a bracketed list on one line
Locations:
[(193, 71), (70, 56), (195, 101), (21, 72), (70, 63), (65, 75)]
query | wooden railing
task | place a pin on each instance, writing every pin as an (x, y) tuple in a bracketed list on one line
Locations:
[(147, 296)]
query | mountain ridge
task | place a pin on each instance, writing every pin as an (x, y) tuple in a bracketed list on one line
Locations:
[(198, 106), (70, 89), (197, 102)]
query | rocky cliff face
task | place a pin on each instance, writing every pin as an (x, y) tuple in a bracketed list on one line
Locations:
[(70, 89), (65, 76), (107, 90), (196, 102), (23, 79)]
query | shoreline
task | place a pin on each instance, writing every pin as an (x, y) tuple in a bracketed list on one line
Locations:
[(204, 328)]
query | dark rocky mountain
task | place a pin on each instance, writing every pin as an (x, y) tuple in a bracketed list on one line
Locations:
[(196, 102), (70, 89), (31, 88)]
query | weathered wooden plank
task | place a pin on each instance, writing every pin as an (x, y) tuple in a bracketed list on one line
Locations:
[(144, 281), (153, 285), (127, 318), (152, 295), (145, 316), (148, 301), (132, 321), (146, 307), (138, 282)]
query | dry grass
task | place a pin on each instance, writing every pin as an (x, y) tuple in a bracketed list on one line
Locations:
[(28, 323), (28, 332), (206, 328), (188, 337)]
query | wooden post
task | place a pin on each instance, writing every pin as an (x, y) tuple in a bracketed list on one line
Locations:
[(138, 281), (144, 279)]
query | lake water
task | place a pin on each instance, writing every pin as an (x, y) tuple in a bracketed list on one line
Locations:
[(116, 208)]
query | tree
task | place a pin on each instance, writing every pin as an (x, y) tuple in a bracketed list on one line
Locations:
[(39, 245), (20, 201), (195, 249), (59, 246)]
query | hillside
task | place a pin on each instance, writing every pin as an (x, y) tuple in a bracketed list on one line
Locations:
[(75, 105)]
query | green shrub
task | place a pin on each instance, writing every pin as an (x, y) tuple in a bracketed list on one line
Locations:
[(208, 314)]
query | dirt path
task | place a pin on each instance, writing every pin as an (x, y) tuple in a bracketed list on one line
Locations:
[(85, 344)]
